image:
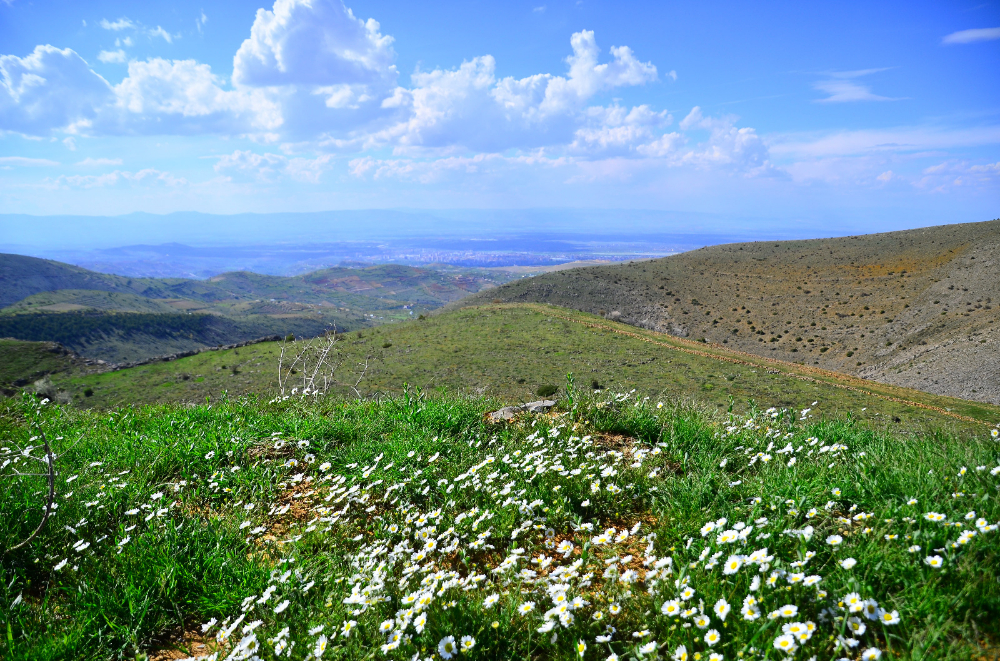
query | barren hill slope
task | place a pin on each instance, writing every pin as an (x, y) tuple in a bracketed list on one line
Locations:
[(917, 308)]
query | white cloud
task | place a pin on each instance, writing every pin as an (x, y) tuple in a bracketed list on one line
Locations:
[(160, 32), (885, 177), (873, 141), (200, 21), (314, 43), (971, 36), (70, 143), (539, 9), (440, 169), (96, 162), (23, 162), (183, 96), (149, 177), (728, 146), (121, 24), (954, 173), (115, 56), (618, 130), (449, 108), (247, 165), (49, 89), (842, 88)]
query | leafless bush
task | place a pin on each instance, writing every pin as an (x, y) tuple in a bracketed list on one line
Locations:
[(311, 367)]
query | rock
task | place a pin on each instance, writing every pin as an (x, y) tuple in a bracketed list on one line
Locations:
[(508, 412)]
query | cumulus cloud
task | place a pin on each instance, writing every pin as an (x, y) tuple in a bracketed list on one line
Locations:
[(50, 89), (314, 43), (448, 108), (618, 130), (121, 24), (971, 36), (727, 146), (112, 56), (322, 80)]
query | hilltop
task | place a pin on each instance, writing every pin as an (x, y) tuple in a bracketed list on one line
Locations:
[(917, 308)]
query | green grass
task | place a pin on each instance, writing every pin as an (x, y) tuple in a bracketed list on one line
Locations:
[(510, 351), (306, 500), (22, 361)]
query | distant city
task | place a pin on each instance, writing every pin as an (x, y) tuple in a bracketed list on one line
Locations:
[(184, 261)]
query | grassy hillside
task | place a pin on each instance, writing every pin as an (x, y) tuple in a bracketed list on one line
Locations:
[(408, 527), (75, 300), (919, 308), (509, 351), (23, 362), (121, 337)]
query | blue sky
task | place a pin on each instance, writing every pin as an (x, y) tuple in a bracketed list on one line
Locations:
[(861, 115)]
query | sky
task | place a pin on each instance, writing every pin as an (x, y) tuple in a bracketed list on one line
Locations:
[(860, 115)]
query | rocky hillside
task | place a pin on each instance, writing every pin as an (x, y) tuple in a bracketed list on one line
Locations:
[(918, 308)]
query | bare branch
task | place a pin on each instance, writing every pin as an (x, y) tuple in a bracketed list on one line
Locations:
[(52, 495)]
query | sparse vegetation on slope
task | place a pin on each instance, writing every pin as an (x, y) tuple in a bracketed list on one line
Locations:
[(411, 526), (512, 351), (919, 308)]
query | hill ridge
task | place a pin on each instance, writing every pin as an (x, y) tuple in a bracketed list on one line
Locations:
[(918, 308)]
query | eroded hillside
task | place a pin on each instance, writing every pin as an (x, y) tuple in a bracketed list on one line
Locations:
[(917, 308)]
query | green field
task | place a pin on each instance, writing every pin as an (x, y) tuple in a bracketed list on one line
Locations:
[(403, 527), (509, 351)]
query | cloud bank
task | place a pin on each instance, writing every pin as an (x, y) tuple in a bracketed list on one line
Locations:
[(317, 89)]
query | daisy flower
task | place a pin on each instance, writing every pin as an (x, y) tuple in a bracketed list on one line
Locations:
[(785, 643), (888, 617), (722, 609), (447, 648)]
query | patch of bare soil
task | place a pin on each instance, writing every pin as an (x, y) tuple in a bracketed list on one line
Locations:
[(188, 645)]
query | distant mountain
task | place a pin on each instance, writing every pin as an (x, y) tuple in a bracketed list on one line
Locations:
[(917, 308), (117, 318)]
